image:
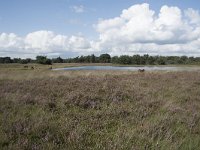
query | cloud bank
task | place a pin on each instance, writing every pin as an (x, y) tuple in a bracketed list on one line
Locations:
[(137, 30), (42, 43)]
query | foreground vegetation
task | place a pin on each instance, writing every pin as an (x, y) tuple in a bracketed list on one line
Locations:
[(44, 109)]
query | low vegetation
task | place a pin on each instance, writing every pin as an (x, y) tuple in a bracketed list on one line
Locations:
[(43, 109)]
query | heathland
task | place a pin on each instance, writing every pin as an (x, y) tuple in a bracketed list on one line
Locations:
[(45, 109)]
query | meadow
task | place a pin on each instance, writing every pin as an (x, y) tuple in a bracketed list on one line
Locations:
[(45, 109)]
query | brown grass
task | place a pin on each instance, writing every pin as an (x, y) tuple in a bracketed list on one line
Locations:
[(99, 110)]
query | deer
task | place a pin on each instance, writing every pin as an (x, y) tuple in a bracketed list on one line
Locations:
[(141, 70)]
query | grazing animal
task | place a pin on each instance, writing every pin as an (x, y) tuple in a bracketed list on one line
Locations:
[(25, 66), (141, 70)]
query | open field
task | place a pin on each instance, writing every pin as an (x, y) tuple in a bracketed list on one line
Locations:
[(44, 109)]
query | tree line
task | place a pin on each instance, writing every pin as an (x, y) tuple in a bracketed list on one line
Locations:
[(106, 58)]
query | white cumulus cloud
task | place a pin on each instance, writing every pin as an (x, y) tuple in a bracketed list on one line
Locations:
[(137, 30), (42, 42), (10, 40)]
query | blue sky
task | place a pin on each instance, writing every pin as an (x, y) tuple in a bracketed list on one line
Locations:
[(24, 16), (71, 17)]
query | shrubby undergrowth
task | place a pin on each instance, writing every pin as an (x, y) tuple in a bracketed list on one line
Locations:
[(127, 111)]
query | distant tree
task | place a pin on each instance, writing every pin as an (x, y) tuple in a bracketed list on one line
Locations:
[(183, 60), (136, 59), (151, 60), (75, 60), (48, 62), (125, 59), (115, 60), (87, 59), (105, 58), (68, 60), (16, 60), (92, 58), (197, 59), (145, 59), (161, 60), (58, 60), (191, 60), (1, 60), (171, 60), (24, 61), (29, 60), (81, 59), (43, 60), (142, 60), (97, 60), (5, 60)]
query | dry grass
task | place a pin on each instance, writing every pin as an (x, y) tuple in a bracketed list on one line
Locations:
[(41, 109)]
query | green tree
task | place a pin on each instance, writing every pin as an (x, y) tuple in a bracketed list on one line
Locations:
[(151, 60), (115, 60), (183, 60), (5, 60), (136, 59), (16, 60), (24, 61), (58, 60), (161, 60), (43, 60), (125, 59), (105, 58), (87, 59), (92, 58)]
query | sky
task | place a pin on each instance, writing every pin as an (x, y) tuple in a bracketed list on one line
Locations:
[(70, 28)]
